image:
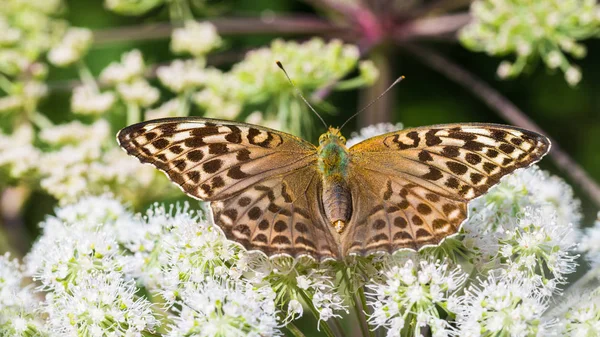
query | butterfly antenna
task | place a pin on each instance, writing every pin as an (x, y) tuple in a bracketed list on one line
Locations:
[(398, 80), (300, 93)]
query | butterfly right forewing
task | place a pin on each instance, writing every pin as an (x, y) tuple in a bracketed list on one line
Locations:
[(410, 188)]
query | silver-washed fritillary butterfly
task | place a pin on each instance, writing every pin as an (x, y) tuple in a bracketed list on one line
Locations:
[(274, 192)]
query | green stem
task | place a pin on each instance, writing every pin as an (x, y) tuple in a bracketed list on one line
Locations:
[(352, 83), (294, 330), (325, 325), (86, 76), (363, 302), (39, 120), (184, 104), (180, 11), (6, 85), (360, 315), (133, 113)]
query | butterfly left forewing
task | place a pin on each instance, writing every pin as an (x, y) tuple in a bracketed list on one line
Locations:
[(213, 159), (263, 184), (415, 184)]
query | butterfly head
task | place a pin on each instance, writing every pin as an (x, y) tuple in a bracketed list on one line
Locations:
[(333, 135)]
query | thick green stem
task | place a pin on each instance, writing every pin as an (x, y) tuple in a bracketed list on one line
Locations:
[(294, 330), (360, 315), (6, 85)]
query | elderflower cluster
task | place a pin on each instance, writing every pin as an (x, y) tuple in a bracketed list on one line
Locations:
[(501, 307), (18, 305), (80, 160), (412, 295), (546, 29)]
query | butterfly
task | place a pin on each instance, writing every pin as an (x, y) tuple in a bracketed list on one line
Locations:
[(274, 192)]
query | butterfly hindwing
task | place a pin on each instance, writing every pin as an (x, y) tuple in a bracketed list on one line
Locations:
[(280, 215), (412, 186), (213, 159)]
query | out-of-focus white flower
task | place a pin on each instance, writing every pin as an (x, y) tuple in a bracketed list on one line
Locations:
[(573, 75), (100, 305), (372, 131), (75, 133), (180, 75), (18, 305), (498, 307), (170, 108), (196, 38), (17, 154), (72, 48), (139, 92), (579, 315), (589, 243), (87, 101), (411, 294), (216, 105), (217, 307), (10, 103), (131, 67)]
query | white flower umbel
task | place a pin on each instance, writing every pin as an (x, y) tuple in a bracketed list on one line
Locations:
[(548, 29), (180, 75), (217, 307), (589, 243), (88, 101), (196, 38), (494, 215), (194, 248), (170, 108), (539, 247), (372, 131), (72, 48), (579, 315), (99, 305), (413, 295), (131, 67), (501, 307), (19, 315), (18, 156), (139, 93)]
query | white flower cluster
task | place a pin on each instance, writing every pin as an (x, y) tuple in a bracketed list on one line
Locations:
[(18, 306), (548, 29), (501, 307), (18, 156), (411, 295), (196, 38), (589, 243), (518, 246), (72, 48)]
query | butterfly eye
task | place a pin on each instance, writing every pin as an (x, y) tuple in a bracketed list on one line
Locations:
[(321, 139), (343, 139)]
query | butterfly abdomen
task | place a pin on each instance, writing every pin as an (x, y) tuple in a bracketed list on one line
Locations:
[(336, 198)]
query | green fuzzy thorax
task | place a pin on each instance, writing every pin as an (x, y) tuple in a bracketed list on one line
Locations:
[(333, 158)]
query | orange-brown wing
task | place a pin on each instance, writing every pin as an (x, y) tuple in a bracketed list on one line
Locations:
[(263, 183), (410, 188), (214, 159), (280, 215)]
